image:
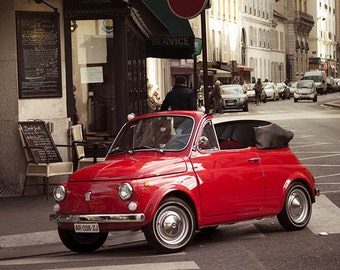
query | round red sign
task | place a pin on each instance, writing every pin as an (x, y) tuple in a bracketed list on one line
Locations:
[(187, 9)]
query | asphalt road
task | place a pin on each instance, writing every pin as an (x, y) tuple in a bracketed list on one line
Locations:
[(261, 244)]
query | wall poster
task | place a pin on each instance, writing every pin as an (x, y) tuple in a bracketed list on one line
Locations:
[(38, 47)]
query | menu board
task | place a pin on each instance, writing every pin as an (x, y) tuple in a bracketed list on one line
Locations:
[(38, 47), (39, 141)]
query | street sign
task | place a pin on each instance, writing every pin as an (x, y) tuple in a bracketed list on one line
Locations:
[(198, 46), (187, 9)]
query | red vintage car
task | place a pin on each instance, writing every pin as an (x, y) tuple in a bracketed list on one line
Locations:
[(172, 173)]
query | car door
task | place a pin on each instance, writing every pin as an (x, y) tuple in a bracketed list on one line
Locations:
[(230, 181)]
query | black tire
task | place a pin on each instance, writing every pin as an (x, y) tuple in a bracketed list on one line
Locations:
[(82, 242), (295, 100), (245, 108), (172, 227), (297, 209)]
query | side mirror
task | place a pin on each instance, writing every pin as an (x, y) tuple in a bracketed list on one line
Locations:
[(203, 142)]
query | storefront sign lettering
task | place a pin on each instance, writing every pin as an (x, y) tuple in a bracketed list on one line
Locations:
[(171, 41)]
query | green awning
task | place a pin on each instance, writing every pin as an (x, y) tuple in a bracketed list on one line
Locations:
[(179, 42)]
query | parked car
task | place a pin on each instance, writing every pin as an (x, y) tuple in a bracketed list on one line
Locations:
[(292, 88), (272, 93), (251, 94), (284, 92), (233, 97), (171, 173), (330, 84), (305, 89), (337, 84)]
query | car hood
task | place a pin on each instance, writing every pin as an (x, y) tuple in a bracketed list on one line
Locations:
[(304, 89), (231, 96), (124, 167)]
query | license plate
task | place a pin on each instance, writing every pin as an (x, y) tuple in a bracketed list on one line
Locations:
[(86, 228), (230, 103)]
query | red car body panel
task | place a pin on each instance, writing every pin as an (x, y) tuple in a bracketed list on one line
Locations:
[(221, 186)]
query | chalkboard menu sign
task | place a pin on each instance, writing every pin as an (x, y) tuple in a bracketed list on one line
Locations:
[(38, 46), (39, 141)]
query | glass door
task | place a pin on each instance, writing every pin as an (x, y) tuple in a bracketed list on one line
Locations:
[(93, 75)]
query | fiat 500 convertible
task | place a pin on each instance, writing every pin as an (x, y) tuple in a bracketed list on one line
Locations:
[(172, 173)]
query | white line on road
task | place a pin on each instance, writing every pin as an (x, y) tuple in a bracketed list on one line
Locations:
[(325, 176), (150, 266), (325, 217), (318, 157)]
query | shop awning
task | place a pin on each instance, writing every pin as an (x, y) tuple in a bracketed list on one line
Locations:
[(244, 68), (179, 42), (218, 73)]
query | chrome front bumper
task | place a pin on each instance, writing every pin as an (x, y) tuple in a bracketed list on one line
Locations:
[(105, 218)]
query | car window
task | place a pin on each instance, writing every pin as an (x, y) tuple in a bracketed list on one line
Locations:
[(208, 140)]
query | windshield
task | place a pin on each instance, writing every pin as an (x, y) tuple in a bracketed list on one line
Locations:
[(268, 86), (161, 133), (313, 78), (307, 84), (232, 89)]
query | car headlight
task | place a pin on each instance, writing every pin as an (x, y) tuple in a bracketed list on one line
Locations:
[(125, 191), (59, 193)]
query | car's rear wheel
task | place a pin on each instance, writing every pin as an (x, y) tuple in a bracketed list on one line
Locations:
[(297, 209), (82, 242), (172, 227)]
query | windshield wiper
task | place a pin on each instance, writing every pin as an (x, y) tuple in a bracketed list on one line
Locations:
[(117, 150), (146, 147)]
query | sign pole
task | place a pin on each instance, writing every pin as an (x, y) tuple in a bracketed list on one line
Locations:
[(205, 63)]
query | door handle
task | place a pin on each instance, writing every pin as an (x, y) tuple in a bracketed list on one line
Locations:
[(255, 159)]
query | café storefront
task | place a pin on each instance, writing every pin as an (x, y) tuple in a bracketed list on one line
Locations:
[(93, 74), (108, 45)]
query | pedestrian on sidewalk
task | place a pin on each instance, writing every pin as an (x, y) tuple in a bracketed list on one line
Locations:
[(217, 97)]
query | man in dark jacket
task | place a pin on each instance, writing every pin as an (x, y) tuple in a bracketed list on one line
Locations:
[(180, 97)]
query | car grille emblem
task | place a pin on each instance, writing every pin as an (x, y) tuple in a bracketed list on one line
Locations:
[(88, 196)]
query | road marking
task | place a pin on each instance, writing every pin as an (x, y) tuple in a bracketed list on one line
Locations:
[(325, 217), (325, 176), (318, 157), (182, 265), (308, 145), (150, 266)]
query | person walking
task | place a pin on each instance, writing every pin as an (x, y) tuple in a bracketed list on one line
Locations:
[(258, 91), (180, 97), (217, 97)]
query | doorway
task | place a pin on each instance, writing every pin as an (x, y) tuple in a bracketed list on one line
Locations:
[(93, 74)]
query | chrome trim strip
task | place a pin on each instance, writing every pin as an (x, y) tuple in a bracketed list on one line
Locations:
[(104, 218)]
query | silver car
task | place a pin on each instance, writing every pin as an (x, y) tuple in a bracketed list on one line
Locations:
[(305, 89), (272, 93), (233, 97)]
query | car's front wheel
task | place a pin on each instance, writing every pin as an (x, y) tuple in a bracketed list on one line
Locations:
[(82, 242), (297, 209), (172, 227)]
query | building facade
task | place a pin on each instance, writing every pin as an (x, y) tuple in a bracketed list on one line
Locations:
[(322, 39), (80, 61)]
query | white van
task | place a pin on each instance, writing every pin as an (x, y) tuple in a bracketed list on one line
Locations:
[(319, 78)]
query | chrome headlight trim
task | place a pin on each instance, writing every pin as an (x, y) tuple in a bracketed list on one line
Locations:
[(125, 191), (59, 193)]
